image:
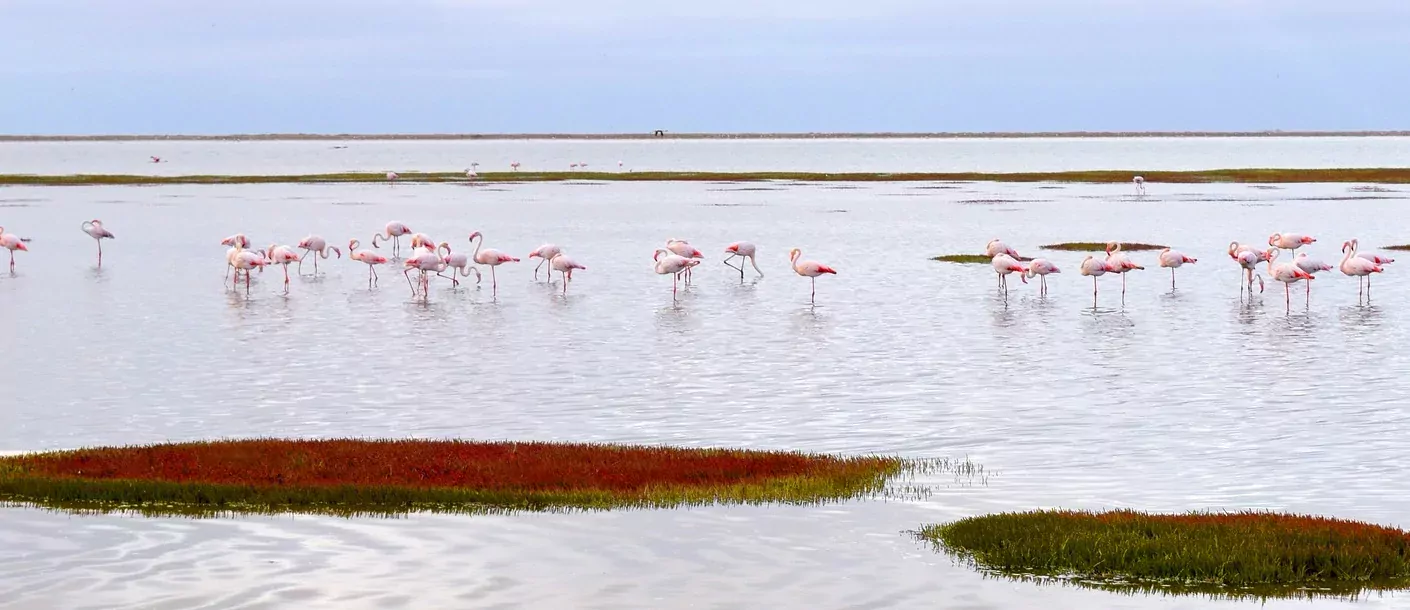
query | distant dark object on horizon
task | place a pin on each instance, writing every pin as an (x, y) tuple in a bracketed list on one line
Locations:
[(660, 133)]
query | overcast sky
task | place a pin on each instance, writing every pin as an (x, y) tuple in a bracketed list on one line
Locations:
[(228, 66)]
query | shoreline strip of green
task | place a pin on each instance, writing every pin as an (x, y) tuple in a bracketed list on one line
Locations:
[(1366, 175), (651, 135)]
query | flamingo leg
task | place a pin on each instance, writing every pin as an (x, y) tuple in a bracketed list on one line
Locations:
[(814, 297), (494, 284), (1172, 279), (286, 274), (247, 281), (100, 253), (673, 288), (1309, 294), (536, 270), (301, 262), (565, 283)]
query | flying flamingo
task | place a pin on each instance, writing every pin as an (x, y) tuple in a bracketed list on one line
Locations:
[(1312, 266), (458, 263), (1358, 266), (545, 253), (1041, 267), (672, 264), (156, 159), (996, 247), (12, 242), (1004, 265), (1248, 259), (372, 259), (1287, 273), (394, 232), (318, 247), (282, 255), (808, 269), (1117, 262), (491, 257), (743, 250), (1289, 241), (1095, 268), (680, 247), (1173, 259), (94, 228), (562, 264), (1140, 185)]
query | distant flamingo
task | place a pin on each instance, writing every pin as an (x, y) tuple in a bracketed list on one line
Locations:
[(545, 253), (1004, 265), (808, 269), (471, 174), (1095, 268), (491, 257), (1312, 266), (1287, 273), (282, 255), (1248, 259), (672, 264), (582, 165), (619, 165), (1358, 266), (1117, 262), (680, 247), (318, 247), (1173, 259), (562, 264), (996, 247), (1140, 185), (514, 165), (372, 259), (572, 166), (12, 242), (1041, 267), (94, 228), (394, 231), (392, 176), (156, 159), (1289, 241), (743, 250), (458, 263)]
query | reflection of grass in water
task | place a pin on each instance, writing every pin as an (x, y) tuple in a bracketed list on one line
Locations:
[(1099, 246), (1234, 555), (355, 477), (1383, 175)]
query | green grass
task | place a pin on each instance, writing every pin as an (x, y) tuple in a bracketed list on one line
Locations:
[(1229, 554), (1399, 248), (975, 259), (383, 477), (1099, 246), (1381, 175)]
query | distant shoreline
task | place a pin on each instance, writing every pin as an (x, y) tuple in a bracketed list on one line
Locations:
[(703, 136)]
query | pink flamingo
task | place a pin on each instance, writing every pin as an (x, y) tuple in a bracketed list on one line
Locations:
[(1287, 273), (514, 165), (458, 263), (996, 247), (318, 247), (562, 264), (491, 257), (680, 247), (394, 231), (156, 159), (582, 165), (94, 228), (1117, 262), (545, 253), (1004, 265), (237, 239), (12, 242), (743, 250), (672, 264), (1290, 241), (282, 255), (392, 176), (1174, 259), (1095, 268), (1140, 185), (372, 259), (1311, 266), (424, 260), (808, 269), (1041, 267), (1375, 258), (471, 174), (1248, 259), (245, 260), (1359, 266), (572, 166), (422, 240)]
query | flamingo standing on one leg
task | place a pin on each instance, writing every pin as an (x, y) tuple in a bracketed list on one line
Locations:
[(282, 255), (1290, 241), (1174, 259), (12, 242), (743, 250), (94, 228), (1311, 266), (1095, 268), (562, 264), (808, 269), (491, 257), (1287, 273), (1117, 262), (1041, 267), (458, 263), (672, 264), (1358, 266), (394, 231), (680, 247), (372, 259), (545, 253), (1140, 185), (1004, 265), (318, 247)]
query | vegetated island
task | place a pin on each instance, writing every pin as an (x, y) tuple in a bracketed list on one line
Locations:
[(655, 134), (1234, 555), (1370, 175), (1100, 246), (391, 477)]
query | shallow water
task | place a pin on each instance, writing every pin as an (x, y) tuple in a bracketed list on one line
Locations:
[(1170, 402), (841, 155)]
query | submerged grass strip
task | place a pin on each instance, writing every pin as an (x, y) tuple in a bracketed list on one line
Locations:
[(1261, 554), (1373, 175), (1099, 246), (348, 477)]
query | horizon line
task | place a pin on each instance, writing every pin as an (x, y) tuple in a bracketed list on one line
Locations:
[(668, 135)]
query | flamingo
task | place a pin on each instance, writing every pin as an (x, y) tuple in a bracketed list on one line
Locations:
[(1004, 265), (422, 240), (1173, 259), (572, 166), (392, 176), (94, 228), (1095, 268), (372, 259), (1290, 241), (1312, 266), (680, 247), (545, 253), (672, 264), (996, 247), (808, 269), (245, 260), (491, 257), (514, 165), (1041, 267), (1118, 263), (423, 260), (318, 247), (1358, 266), (237, 239), (1287, 273), (582, 165), (156, 159), (1248, 259), (282, 255), (1140, 185), (471, 174), (562, 264), (743, 250), (1375, 258), (394, 231), (459, 264), (12, 242)]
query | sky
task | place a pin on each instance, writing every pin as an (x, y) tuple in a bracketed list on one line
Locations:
[(629, 66)]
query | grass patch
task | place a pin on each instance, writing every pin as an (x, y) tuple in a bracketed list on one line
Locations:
[(1399, 248), (975, 259), (1099, 246), (1373, 175), (390, 477), (1232, 554)]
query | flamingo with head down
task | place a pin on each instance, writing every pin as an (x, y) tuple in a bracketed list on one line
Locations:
[(564, 265), (1004, 265), (544, 253), (394, 231), (672, 264), (742, 250), (1041, 267), (318, 247)]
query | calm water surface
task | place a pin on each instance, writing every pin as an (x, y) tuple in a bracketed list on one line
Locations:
[(1171, 401)]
